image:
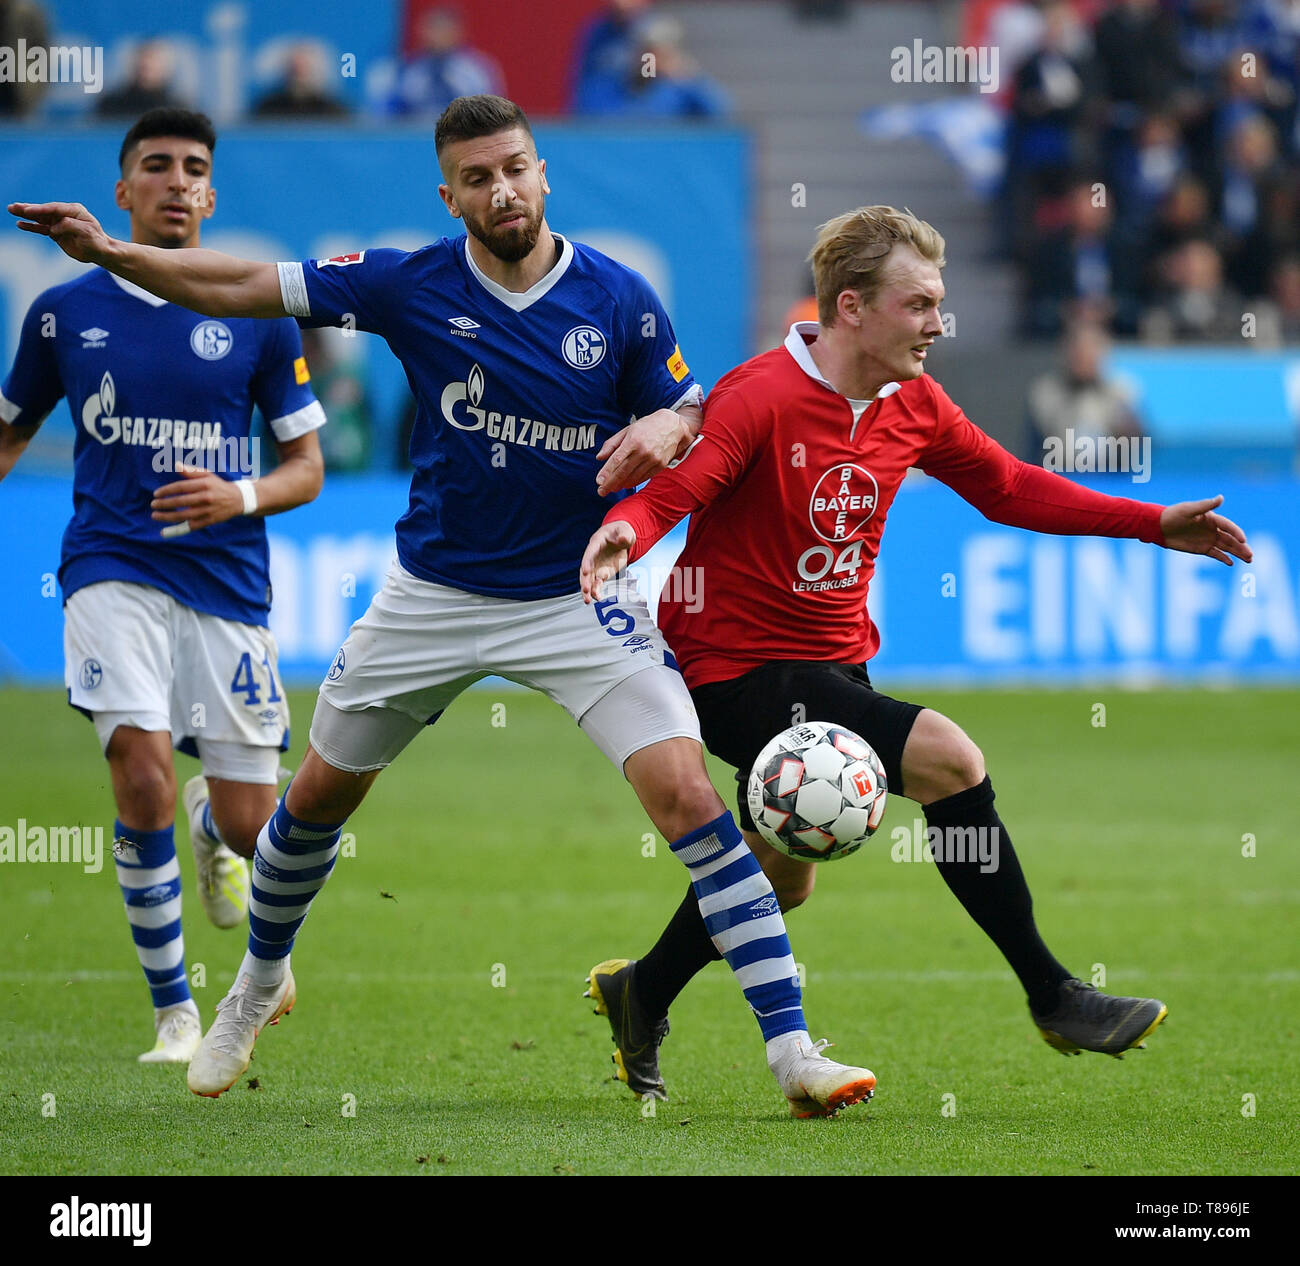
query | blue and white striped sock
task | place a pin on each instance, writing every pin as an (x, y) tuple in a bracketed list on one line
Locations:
[(150, 879), (744, 921), (291, 863)]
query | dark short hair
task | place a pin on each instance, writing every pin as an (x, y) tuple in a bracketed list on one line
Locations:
[(169, 121), (483, 115)]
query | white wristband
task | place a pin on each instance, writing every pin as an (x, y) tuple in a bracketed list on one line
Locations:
[(249, 494)]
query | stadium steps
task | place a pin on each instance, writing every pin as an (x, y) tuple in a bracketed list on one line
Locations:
[(801, 87)]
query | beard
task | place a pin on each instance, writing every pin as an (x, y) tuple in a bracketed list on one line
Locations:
[(509, 245)]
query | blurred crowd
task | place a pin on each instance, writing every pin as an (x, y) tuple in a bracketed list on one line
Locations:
[(1152, 176), (629, 61), (1153, 165)]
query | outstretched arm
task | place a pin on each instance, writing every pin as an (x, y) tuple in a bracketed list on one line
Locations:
[(1190, 526), (203, 281)]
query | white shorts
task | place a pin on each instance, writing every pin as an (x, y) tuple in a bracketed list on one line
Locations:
[(420, 644), (134, 655)]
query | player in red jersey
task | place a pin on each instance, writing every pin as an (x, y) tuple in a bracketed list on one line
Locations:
[(802, 452)]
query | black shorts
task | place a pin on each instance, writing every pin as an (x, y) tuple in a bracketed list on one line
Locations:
[(738, 718)]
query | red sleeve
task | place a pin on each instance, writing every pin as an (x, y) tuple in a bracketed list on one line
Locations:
[(727, 444), (1007, 490)]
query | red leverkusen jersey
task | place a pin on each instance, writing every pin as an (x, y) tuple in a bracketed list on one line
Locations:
[(789, 497)]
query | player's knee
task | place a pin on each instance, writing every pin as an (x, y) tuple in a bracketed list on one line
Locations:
[(685, 805), (967, 768), (961, 767), (939, 760), (146, 787)]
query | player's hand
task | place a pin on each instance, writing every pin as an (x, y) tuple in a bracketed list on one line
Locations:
[(197, 501), (605, 556), (639, 450), (76, 231), (1190, 527)]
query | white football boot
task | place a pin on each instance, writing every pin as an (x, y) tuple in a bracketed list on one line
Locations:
[(227, 1047), (819, 1087), (179, 1033), (222, 874)]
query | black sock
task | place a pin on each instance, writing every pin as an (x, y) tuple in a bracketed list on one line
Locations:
[(681, 951), (998, 899)]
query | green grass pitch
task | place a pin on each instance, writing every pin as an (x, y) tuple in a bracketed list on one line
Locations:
[(440, 1027)]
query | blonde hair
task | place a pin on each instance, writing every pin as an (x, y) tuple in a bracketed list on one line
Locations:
[(851, 250)]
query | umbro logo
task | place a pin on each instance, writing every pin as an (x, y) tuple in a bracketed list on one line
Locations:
[(93, 337), (464, 323)]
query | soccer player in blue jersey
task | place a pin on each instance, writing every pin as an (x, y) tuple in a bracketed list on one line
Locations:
[(533, 360), (164, 564)]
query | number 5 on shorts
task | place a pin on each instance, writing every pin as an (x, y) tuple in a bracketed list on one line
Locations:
[(616, 622)]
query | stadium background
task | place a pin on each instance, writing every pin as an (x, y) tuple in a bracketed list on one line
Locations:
[(1139, 836), (718, 213)]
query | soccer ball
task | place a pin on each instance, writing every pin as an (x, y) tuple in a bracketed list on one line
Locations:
[(817, 792)]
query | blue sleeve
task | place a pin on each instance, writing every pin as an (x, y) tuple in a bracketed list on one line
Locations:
[(653, 374), (355, 291), (281, 385), (34, 384)]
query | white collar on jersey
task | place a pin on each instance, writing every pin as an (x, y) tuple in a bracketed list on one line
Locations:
[(525, 299), (138, 291), (797, 348)]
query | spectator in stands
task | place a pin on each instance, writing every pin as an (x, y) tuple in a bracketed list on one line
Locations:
[(148, 84), (1139, 71), (1279, 316), (1014, 27), (1209, 31), (1250, 172), (1047, 110), (606, 53), (1195, 304), (1148, 173), (1078, 397), (1249, 90), (662, 82), (21, 20), (303, 92), (443, 68), (1078, 268), (1184, 212)]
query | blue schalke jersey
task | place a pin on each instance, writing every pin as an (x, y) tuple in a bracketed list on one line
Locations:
[(515, 394), (150, 386)]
